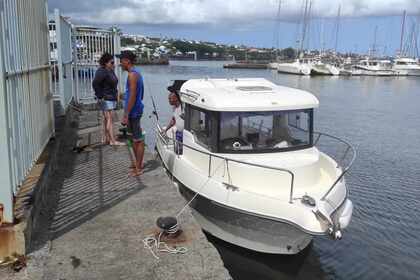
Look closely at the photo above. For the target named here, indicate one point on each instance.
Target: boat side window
(201, 123)
(265, 131)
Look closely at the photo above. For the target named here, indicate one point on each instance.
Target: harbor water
(380, 116)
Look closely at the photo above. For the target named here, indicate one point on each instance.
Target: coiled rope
(156, 246)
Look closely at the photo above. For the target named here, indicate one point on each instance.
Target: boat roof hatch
(247, 94)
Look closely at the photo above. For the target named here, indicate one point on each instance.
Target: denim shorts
(135, 128)
(107, 105)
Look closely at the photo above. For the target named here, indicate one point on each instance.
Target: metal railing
(26, 115)
(61, 60)
(90, 44)
(167, 141)
(344, 169)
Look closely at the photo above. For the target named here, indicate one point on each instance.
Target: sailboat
(301, 66)
(403, 64)
(372, 66)
(320, 67)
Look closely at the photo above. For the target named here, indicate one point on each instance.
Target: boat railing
(171, 140)
(345, 167)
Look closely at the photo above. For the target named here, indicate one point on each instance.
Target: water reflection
(245, 264)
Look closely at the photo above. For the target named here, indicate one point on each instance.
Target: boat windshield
(244, 132)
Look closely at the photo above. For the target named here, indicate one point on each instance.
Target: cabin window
(265, 131)
(203, 125)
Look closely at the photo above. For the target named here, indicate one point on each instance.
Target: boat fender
(346, 214)
(322, 213)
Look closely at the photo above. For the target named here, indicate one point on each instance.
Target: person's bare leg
(105, 137)
(109, 127)
(138, 147)
(140, 154)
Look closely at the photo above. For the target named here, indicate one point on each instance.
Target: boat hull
(246, 229)
(294, 68)
(364, 71)
(407, 72)
(325, 70)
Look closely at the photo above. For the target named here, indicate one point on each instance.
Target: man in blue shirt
(133, 108)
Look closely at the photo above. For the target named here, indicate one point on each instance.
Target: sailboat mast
(322, 36)
(276, 29)
(373, 50)
(305, 15)
(402, 33)
(277, 37)
(308, 26)
(337, 30)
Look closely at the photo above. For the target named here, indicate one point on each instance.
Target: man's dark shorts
(135, 128)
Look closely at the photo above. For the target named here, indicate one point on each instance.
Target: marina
(376, 113)
(227, 162)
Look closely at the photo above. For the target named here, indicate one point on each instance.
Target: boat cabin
(247, 116)
(406, 61)
(385, 64)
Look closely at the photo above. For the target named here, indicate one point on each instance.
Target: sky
(253, 22)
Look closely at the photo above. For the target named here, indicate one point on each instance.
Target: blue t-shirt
(138, 107)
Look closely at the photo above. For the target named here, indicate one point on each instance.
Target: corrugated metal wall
(26, 117)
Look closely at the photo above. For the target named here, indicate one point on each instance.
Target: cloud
(220, 12)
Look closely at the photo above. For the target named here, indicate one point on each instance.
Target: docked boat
(373, 67)
(321, 68)
(298, 67)
(251, 167)
(405, 66)
(273, 65)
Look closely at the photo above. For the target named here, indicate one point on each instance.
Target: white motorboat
(405, 66)
(321, 68)
(298, 67)
(251, 167)
(273, 65)
(350, 70)
(373, 67)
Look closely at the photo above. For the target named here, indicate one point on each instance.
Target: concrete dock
(94, 217)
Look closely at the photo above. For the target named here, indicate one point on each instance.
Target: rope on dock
(155, 245)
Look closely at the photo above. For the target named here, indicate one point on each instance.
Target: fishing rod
(154, 108)
(155, 111)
